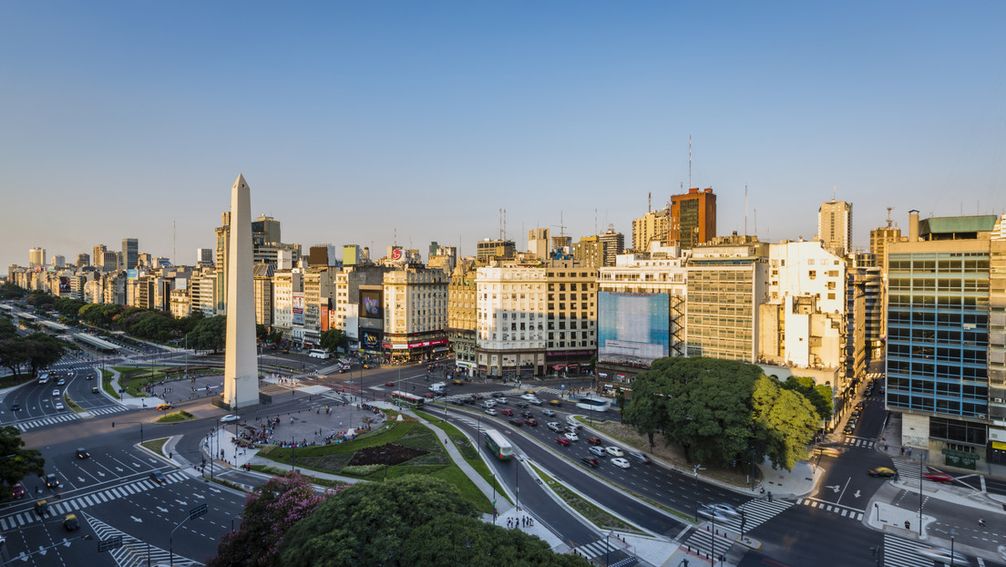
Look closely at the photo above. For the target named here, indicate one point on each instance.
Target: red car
(531, 421)
(389, 384)
(507, 412)
(562, 441)
(18, 491)
(938, 476)
(594, 440)
(429, 395)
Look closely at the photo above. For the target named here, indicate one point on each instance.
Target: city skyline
(435, 119)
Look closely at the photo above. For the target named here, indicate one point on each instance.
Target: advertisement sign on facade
(132, 274)
(298, 308)
(64, 285)
(633, 329)
(371, 304)
(371, 339)
(324, 318)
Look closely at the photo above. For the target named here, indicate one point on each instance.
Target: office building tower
(433, 249)
(351, 255)
(36, 257)
(58, 261)
(834, 226)
(538, 242)
(588, 251)
(489, 250)
(612, 244)
(512, 316)
(204, 256)
(265, 230)
(651, 227)
(83, 259)
(130, 254)
(222, 233)
(321, 255)
(571, 340)
(693, 217)
(415, 313)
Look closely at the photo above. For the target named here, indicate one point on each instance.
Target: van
(43, 378)
(319, 353)
(438, 388)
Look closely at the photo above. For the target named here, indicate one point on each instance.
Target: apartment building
(415, 313)
(262, 292)
(462, 316)
(571, 342)
(512, 318)
(286, 286)
(319, 297)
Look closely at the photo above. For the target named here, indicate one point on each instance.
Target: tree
(269, 512)
(16, 462)
(13, 355)
(42, 350)
(69, 308)
(333, 340)
(787, 419)
(11, 291)
(40, 299)
(820, 395)
(209, 334)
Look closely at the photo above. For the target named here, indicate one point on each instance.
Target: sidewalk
(129, 400)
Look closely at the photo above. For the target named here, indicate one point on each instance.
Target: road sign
(110, 543)
(198, 511)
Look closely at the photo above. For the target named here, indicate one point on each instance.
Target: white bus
(500, 446)
(319, 353)
(595, 403)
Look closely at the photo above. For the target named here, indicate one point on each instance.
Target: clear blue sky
(352, 119)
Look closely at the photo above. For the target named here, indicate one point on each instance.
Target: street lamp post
(951, 550)
(921, 457)
(607, 549)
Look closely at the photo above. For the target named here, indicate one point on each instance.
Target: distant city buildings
(834, 226)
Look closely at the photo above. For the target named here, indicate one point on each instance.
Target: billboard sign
(371, 339)
(298, 308)
(64, 285)
(633, 329)
(132, 273)
(324, 318)
(371, 304)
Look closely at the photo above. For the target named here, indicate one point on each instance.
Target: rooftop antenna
(890, 221)
(394, 241)
(745, 209)
(649, 202)
(756, 222)
(689, 161)
(834, 192)
(500, 213)
(174, 243)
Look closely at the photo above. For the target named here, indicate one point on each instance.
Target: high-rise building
(512, 315)
(571, 342)
(265, 230)
(319, 297)
(204, 256)
(223, 240)
(727, 281)
(834, 226)
(651, 227)
(488, 250)
(351, 255)
(58, 261)
(588, 251)
(693, 217)
(263, 293)
(462, 316)
(415, 313)
(321, 255)
(538, 242)
(130, 253)
(36, 257)
(612, 244)
(940, 343)
(83, 259)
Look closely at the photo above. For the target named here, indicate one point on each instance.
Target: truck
(438, 388)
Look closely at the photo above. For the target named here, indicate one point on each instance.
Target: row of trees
(411, 520)
(16, 462)
(725, 413)
(33, 352)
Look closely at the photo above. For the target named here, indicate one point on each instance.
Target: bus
(407, 398)
(501, 448)
(595, 403)
(319, 353)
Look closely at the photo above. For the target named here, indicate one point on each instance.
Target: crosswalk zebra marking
(701, 541)
(756, 513)
(80, 502)
(844, 511)
(134, 552)
(595, 549)
(901, 552)
(853, 441)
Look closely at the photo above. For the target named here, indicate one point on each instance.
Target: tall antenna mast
(174, 244)
(756, 222)
(745, 209)
(649, 202)
(690, 161)
(890, 221)
(595, 221)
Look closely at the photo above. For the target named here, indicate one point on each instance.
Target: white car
(59, 406)
(490, 411)
(534, 400)
(554, 426)
(723, 509)
(571, 436)
(528, 397)
(620, 463)
(55, 393)
(615, 452)
(597, 451)
(230, 418)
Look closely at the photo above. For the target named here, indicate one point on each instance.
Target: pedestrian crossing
(106, 410)
(908, 470)
(68, 416)
(844, 511)
(594, 549)
(133, 552)
(88, 500)
(756, 513)
(902, 552)
(853, 441)
(702, 542)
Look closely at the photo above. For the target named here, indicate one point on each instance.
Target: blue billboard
(633, 329)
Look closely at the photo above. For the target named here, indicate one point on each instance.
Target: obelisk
(240, 361)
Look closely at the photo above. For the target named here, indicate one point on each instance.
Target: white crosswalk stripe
(48, 420)
(80, 502)
(756, 513)
(594, 549)
(107, 410)
(701, 541)
(908, 470)
(134, 552)
(901, 552)
(854, 441)
(844, 511)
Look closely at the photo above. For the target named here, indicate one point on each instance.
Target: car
(55, 393)
(490, 411)
(526, 414)
(18, 491)
(158, 477)
(230, 418)
(429, 395)
(164, 407)
(939, 476)
(43, 378)
(828, 452)
(501, 401)
(457, 382)
(389, 384)
(599, 451)
(712, 514)
(723, 509)
(42, 507)
(94, 389)
(620, 463)
(488, 404)
(614, 451)
(591, 462)
(59, 406)
(15, 407)
(555, 402)
(571, 436)
(527, 396)
(943, 555)
(81, 453)
(88, 377)
(548, 413)
(554, 426)
(70, 523)
(61, 382)
(497, 394)
(641, 457)
(517, 422)
(531, 421)
(507, 412)
(594, 440)
(52, 481)
(883, 472)
(536, 401)
(523, 405)
(562, 441)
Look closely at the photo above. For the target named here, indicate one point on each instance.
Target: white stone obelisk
(240, 360)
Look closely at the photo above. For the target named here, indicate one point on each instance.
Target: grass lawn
(432, 459)
(72, 404)
(466, 449)
(175, 417)
(133, 379)
(106, 383)
(156, 445)
(315, 480)
(597, 516)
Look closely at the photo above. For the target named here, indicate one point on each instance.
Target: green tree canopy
(334, 339)
(69, 307)
(11, 291)
(42, 350)
(208, 334)
(819, 395)
(16, 462)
